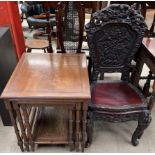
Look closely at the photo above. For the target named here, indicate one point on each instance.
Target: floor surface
(108, 137)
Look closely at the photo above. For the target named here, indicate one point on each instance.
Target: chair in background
(32, 10)
(70, 26)
(114, 36)
(42, 43)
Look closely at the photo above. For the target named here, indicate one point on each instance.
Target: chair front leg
(143, 122)
(89, 129)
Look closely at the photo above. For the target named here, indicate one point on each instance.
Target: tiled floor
(108, 137)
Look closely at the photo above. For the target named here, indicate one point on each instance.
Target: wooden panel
(67, 72)
(52, 126)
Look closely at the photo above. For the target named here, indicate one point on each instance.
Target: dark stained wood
(112, 51)
(49, 82)
(104, 52)
(142, 6)
(146, 55)
(152, 98)
(149, 44)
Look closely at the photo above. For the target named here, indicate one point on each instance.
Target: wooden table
(47, 98)
(145, 55)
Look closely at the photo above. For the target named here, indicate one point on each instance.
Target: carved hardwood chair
(114, 36)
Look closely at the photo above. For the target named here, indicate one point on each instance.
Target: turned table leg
(26, 118)
(84, 122)
(77, 137)
(20, 120)
(13, 120)
(71, 121)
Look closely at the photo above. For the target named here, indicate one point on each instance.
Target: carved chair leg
(147, 85)
(89, 68)
(89, 129)
(143, 123)
(102, 76)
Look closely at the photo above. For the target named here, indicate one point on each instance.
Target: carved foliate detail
(114, 36)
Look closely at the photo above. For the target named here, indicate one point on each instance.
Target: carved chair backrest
(114, 35)
(70, 26)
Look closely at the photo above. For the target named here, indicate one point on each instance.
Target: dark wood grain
(112, 51)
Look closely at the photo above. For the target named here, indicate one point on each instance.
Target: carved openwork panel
(114, 35)
(113, 44)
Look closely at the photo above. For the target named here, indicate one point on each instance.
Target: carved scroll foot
(143, 123)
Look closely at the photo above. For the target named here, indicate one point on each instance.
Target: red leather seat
(115, 94)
